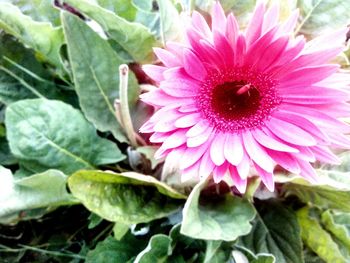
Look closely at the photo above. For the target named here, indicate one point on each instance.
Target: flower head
(231, 102)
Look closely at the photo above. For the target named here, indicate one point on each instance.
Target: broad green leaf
(123, 8)
(96, 75)
(276, 232)
(111, 250)
(6, 157)
(321, 16)
(323, 196)
(40, 36)
(143, 4)
(158, 250)
(119, 230)
(23, 77)
(128, 198)
(39, 191)
(171, 27)
(338, 224)
(51, 134)
(216, 252)
(249, 256)
(317, 239)
(220, 219)
(135, 38)
(39, 10)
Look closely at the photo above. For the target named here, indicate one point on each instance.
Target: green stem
(124, 104)
(307, 17)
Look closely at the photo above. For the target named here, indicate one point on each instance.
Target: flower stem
(124, 105)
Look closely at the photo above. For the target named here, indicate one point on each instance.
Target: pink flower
(232, 103)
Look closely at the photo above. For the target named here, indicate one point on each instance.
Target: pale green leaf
(324, 196)
(158, 250)
(317, 239)
(338, 224)
(321, 16)
(220, 219)
(171, 27)
(96, 75)
(119, 230)
(40, 191)
(40, 36)
(51, 134)
(127, 198)
(133, 37)
(112, 251)
(276, 232)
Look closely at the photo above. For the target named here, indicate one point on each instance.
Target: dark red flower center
(237, 100)
(234, 100)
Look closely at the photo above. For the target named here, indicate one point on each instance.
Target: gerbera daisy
(233, 103)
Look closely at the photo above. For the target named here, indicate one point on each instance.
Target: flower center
(237, 100)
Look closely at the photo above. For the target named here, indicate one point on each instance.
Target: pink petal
(154, 72)
(240, 50)
(290, 133)
(218, 18)
(197, 129)
(243, 167)
(239, 183)
(272, 53)
(233, 149)
(289, 25)
(307, 125)
(254, 29)
(206, 166)
(193, 65)
(211, 55)
(270, 142)
(271, 17)
(179, 88)
(323, 154)
(216, 149)
(188, 120)
(200, 138)
(200, 24)
(308, 172)
(340, 140)
(232, 30)
(159, 137)
(167, 58)
(287, 161)
(188, 108)
(223, 46)
(192, 155)
(220, 172)
(256, 152)
(190, 173)
(308, 75)
(266, 177)
(177, 139)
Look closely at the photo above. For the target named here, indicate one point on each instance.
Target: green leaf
(317, 239)
(39, 134)
(128, 198)
(40, 36)
(323, 196)
(158, 250)
(119, 230)
(96, 76)
(224, 219)
(338, 224)
(215, 252)
(123, 8)
(135, 38)
(111, 250)
(171, 28)
(248, 255)
(320, 16)
(6, 157)
(275, 231)
(39, 191)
